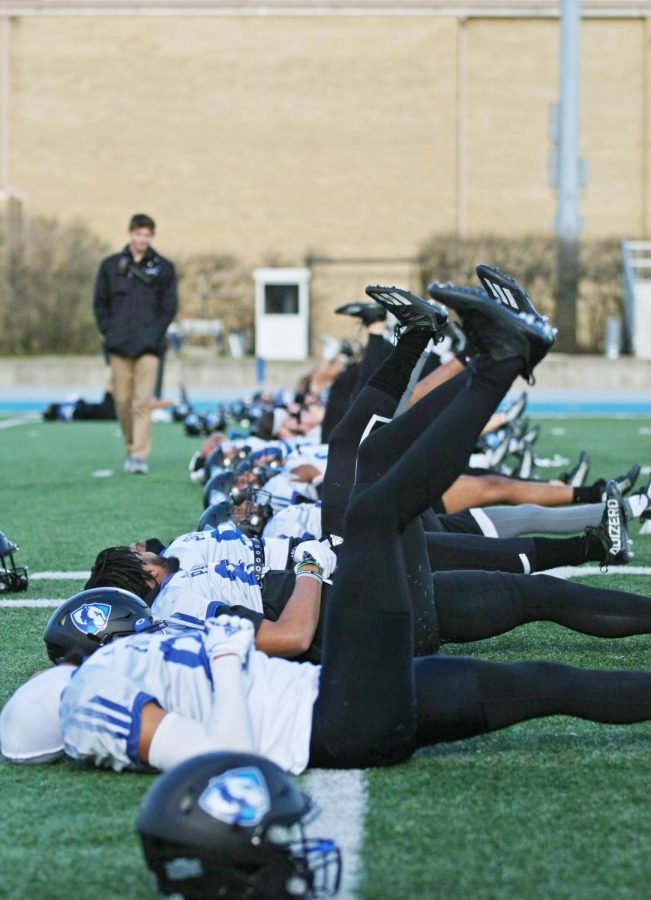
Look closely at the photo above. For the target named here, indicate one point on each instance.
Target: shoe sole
(409, 308)
(367, 312)
(467, 300)
(627, 481)
(527, 465)
(576, 477)
(516, 409)
(505, 289)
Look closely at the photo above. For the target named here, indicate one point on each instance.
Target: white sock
(639, 503)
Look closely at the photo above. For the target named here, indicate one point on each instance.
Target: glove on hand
(321, 552)
(229, 634)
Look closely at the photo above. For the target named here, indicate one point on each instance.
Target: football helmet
(218, 487)
(269, 457)
(215, 514)
(251, 510)
(194, 425)
(95, 617)
(216, 461)
(12, 577)
(232, 825)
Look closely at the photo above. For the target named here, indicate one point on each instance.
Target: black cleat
(494, 329)
(531, 436)
(640, 502)
(626, 481)
(644, 495)
(367, 312)
(515, 409)
(410, 310)
(496, 451)
(506, 290)
(527, 466)
(576, 477)
(612, 531)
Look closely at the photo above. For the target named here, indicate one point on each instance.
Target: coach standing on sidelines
(135, 302)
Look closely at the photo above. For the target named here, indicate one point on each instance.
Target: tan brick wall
(260, 137)
(271, 138)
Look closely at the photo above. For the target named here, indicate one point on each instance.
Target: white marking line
(577, 571)
(19, 420)
(341, 797)
(57, 576)
(29, 604)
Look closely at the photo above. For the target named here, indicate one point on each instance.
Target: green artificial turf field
(554, 808)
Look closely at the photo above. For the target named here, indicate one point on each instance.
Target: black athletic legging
(377, 404)
(376, 704)
(516, 554)
(350, 382)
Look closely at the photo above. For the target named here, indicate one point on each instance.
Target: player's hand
(321, 552)
(229, 635)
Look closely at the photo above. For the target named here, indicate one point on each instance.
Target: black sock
(393, 375)
(552, 552)
(589, 494)
(594, 551)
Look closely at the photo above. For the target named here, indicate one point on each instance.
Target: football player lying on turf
(156, 700)
(186, 599)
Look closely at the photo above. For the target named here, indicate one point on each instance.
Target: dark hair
(119, 567)
(169, 563)
(142, 220)
(153, 545)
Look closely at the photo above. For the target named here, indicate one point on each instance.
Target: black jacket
(135, 303)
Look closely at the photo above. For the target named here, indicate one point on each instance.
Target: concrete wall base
(203, 370)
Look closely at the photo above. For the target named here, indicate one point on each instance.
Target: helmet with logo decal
(95, 617)
(12, 577)
(232, 825)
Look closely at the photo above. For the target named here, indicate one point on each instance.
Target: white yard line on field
(25, 604)
(341, 797)
(578, 571)
(57, 576)
(19, 420)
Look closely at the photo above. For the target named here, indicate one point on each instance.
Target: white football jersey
(285, 491)
(191, 595)
(102, 705)
(299, 520)
(209, 547)
(224, 573)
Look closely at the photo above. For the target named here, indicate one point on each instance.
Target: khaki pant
(133, 387)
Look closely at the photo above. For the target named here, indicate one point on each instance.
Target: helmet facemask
(13, 578)
(251, 510)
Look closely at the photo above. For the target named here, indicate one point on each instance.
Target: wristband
(308, 565)
(310, 575)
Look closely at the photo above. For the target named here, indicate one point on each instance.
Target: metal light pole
(568, 176)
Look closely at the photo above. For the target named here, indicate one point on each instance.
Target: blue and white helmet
(95, 617)
(232, 825)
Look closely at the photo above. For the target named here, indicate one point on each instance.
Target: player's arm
(292, 633)
(168, 738)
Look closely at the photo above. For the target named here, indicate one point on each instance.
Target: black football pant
(376, 704)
